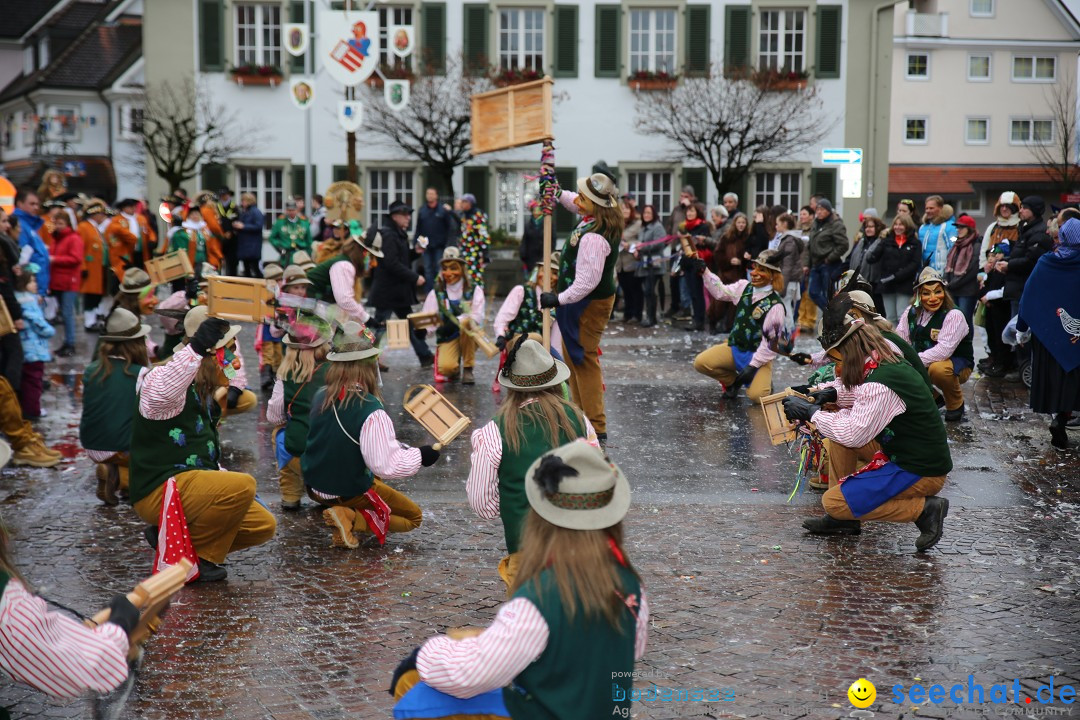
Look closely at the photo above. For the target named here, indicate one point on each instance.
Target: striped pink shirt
(954, 328)
(774, 319)
(492, 659)
(54, 653)
(590, 258)
(343, 284)
(163, 390)
(864, 412)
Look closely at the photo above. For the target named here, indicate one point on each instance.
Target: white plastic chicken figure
(1071, 324)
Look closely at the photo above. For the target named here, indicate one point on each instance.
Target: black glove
(208, 335)
(744, 377)
(500, 342)
(373, 324)
(801, 358)
(549, 300)
(403, 667)
(428, 455)
(801, 389)
(234, 397)
(798, 409)
(123, 614)
(694, 265)
(191, 288)
(824, 396)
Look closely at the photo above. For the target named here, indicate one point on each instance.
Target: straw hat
(353, 341)
(122, 325)
(272, 269)
(529, 367)
(452, 254)
(928, 276)
(837, 323)
(599, 188)
(864, 304)
(135, 281)
(294, 275)
(195, 317)
(575, 487)
(375, 248)
(767, 260)
(555, 259)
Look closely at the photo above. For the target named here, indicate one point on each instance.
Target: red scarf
(900, 240)
(691, 224)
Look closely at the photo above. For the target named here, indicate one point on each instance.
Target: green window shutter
(476, 38)
(608, 26)
(476, 182)
(823, 182)
(566, 41)
(340, 173)
(214, 176)
(211, 35)
(699, 178)
(298, 180)
(697, 41)
(736, 38)
(828, 41)
(433, 36)
(565, 221)
(296, 15)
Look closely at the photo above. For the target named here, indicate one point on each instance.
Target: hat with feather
(576, 487)
(838, 323)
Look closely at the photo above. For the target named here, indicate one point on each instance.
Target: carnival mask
(148, 301)
(451, 273)
(759, 276)
(228, 361)
(932, 296)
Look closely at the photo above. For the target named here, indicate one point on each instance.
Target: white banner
(349, 45)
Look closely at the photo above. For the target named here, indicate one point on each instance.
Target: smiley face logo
(862, 693)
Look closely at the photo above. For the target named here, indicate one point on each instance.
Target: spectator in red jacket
(66, 261)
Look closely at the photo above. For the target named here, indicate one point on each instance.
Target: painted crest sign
(296, 38)
(349, 47)
(401, 40)
(396, 93)
(350, 115)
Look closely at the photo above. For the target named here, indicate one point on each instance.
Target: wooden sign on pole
(512, 116)
(238, 298)
(169, 267)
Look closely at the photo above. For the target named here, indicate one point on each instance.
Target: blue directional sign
(841, 156)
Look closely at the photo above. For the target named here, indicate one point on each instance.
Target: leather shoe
(931, 522)
(955, 415)
(211, 572)
(828, 525)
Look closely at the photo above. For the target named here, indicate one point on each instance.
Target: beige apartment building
(973, 84)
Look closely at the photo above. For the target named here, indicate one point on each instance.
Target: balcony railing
(927, 24)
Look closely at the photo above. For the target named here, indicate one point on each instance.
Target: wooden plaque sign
(437, 414)
(397, 334)
(423, 320)
(511, 117)
(169, 267)
(240, 299)
(781, 430)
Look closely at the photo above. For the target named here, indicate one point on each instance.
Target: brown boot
(108, 477)
(45, 448)
(467, 377)
(341, 519)
(33, 454)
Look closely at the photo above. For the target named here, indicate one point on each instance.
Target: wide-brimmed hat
(556, 260)
(599, 188)
(837, 322)
(272, 270)
(398, 207)
(576, 487)
(302, 259)
(853, 280)
(195, 317)
(294, 275)
(452, 255)
(352, 341)
(122, 325)
(862, 301)
(374, 247)
(529, 368)
(94, 207)
(767, 260)
(929, 276)
(135, 281)
(307, 332)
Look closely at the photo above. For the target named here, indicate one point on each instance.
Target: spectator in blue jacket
(937, 233)
(249, 236)
(27, 207)
(434, 222)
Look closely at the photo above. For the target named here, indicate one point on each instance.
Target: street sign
(851, 181)
(841, 156)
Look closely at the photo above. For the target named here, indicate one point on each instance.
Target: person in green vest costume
(302, 373)
(138, 296)
(886, 410)
(290, 233)
(108, 409)
(521, 314)
(459, 305)
(352, 447)
(194, 237)
(586, 289)
(335, 279)
(51, 651)
(532, 420)
(745, 358)
(940, 333)
(565, 644)
(175, 435)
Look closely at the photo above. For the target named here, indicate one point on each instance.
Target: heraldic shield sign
(350, 115)
(396, 93)
(349, 45)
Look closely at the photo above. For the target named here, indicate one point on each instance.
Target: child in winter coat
(35, 341)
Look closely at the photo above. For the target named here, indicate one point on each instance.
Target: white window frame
(643, 43)
(393, 15)
(653, 186)
(266, 27)
(1034, 63)
(975, 14)
(520, 57)
(989, 67)
(126, 112)
(962, 205)
(967, 135)
(514, 192)
(267, 184)
(907, 66)
(773, 192)
(10, 123)
(926, 129)
(1030, 140)
(56, 130)
(400, 184)
(784, 58)
(44, 54)
(29, 56)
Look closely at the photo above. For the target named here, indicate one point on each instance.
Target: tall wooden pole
(547, 280)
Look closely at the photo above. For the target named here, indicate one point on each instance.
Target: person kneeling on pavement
(175, 434)
(460, 306)
(885, 410)
(940, 334)
(352, 445)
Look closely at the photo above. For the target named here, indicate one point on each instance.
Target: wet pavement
(743, 601)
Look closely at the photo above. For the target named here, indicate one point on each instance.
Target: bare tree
(1059, 156)
(730, 125)
(434, 126)
(183, 128)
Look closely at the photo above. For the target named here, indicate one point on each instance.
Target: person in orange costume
(131, 239)
(95, 284)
